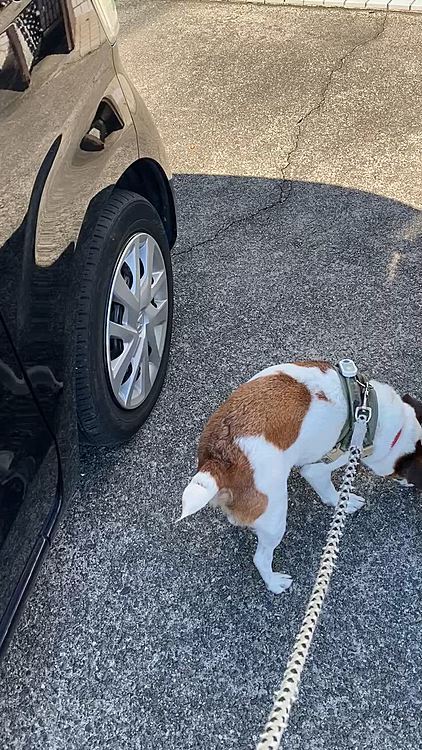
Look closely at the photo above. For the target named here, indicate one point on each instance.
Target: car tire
(128, 245)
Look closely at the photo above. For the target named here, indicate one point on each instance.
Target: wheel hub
(134, 345)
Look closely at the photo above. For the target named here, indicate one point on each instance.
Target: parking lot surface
(295, 135)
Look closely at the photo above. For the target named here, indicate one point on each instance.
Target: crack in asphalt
(323, 96)
(238, 220)
(285, 185)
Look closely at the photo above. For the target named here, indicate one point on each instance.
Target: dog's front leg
(319, 477)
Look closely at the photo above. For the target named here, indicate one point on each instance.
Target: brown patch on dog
(273, 406)
(321, 396)
(238, 496)
(323, 366)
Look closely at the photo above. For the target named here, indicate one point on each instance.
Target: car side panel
(47, 184)
(50, 189)
(29, 478)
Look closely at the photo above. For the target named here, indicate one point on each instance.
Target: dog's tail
(202, 488)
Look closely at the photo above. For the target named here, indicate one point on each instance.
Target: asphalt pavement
(295, 135)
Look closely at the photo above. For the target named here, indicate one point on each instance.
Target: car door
(30, 494)
(60, 77)
(31, 336)
(56, 74)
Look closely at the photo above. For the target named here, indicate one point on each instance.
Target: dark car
(86, 294)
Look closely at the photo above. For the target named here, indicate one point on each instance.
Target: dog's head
(408, 468)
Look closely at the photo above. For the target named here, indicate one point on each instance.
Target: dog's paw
(278, 583)
(354, 503)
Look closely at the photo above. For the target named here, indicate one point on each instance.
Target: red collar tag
(396, 439)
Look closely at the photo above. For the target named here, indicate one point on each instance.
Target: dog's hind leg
(270, 483)
(270, 528)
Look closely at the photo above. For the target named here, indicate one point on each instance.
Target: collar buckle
(363, 413)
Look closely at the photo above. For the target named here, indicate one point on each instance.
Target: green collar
(354, 389)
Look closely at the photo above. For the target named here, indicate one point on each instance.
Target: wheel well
(147, 178)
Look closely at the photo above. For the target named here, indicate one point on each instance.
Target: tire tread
(90, 423)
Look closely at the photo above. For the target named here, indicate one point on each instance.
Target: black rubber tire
(101, 420)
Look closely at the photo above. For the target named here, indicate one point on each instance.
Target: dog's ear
(415, 404)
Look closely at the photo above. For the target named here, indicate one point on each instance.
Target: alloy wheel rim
(136, 322)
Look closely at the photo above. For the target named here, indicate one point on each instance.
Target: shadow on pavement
(156, 635)
(266, 272)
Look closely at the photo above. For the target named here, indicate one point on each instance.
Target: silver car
(87, 221)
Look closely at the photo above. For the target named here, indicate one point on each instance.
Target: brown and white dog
(292, 415)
